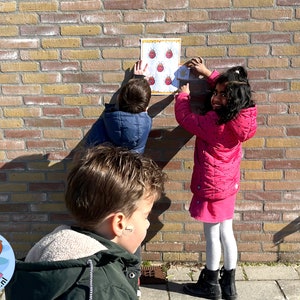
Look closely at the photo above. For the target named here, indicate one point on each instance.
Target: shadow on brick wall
(291, 228)
(32, 187)
(156, 225)
(32, 199)
(279, 238)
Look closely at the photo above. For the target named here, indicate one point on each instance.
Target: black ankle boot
(227, 283)
(206, 287)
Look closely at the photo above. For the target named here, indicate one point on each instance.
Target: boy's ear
(118, 223)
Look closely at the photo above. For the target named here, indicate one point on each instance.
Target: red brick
(273, 86)
(47, 30)
(270, 38)
(21, 90)
(11, 145)
(249, 247)
(23, 134)
(102, 17)
(102, 42)
(99, 89)
(45, 187)
(246, 226)
(264, 153)
(30, 218)
(43, 123)
(251, 216)
(39, 100)
(80, 5)
(284, 74)
(60, 18)
(8, 55)
(212, 27)
(229, 14)
(43, 144)
(19, 43)
(123, 4)
(293, 131)
(80, 77)
(61, 218)
(284, 97)
(257, 258)
(59, 66)
(79, 123)
(263, 196)
(166, 4)
(144, 16)
(283, 164)
(162, 247)
(14, 227)
(287, 2)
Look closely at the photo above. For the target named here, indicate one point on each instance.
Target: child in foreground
(216, 173)
(110, 194)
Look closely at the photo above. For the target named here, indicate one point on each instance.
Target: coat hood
(121, 128)
(244, 125)
(126, 129)
(62, 244)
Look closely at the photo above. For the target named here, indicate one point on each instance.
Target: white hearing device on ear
(129, 228)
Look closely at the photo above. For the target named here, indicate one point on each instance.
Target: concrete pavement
(261, 282)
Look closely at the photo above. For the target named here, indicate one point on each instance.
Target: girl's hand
(198, 67)
(185, 89)
(140, 68)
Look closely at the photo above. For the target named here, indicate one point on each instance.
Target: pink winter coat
(218, 149)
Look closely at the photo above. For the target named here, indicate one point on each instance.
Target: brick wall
(61, 60)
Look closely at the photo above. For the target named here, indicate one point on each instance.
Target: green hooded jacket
(108, 274)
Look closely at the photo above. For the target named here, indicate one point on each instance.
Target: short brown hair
(110, 179)
(135, 96)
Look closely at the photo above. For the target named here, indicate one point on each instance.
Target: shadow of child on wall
(32, 193)
(279, 237)
(289, 229)
(32, 187)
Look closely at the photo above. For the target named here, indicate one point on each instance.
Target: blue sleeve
(97, 135)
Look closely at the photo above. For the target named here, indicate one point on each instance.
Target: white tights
(218, 236)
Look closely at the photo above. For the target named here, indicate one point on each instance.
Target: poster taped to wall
(163, 58)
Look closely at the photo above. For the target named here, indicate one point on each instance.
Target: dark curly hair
(238, 93)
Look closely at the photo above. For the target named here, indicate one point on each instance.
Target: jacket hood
(126, 129)
(244, 125)
(63, 244)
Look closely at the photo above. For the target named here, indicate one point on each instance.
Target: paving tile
(271, 272)
(154, 291)
(290, 288)
(176, 292)
(259, 290)
(247, 290)
(278, 282)
(180, 273)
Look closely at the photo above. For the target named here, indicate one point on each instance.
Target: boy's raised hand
(140, 68)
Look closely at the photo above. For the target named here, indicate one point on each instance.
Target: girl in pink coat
(215, 182)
